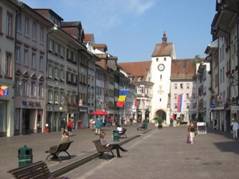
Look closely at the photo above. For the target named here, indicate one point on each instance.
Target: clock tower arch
(160, 73)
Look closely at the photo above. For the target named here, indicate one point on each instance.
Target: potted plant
(159, 121)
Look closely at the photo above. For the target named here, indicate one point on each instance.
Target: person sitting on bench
(121, 130)
(112, 146)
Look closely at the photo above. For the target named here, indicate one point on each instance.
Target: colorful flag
(179, 103)
(122, 98)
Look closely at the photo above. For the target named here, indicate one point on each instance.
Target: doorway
(26, 129)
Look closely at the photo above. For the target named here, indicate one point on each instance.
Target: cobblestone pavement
(41, 142)
(164, 154)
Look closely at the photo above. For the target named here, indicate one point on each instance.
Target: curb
(74, 164)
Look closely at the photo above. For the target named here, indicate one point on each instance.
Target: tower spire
(164, 38)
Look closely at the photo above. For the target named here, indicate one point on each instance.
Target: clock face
(161, 67)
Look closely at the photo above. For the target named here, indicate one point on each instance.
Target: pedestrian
(65, 137)
(235, 127)
(191, 133)
(69, 125)
(92, 123)
(112, 146)
(98, 125)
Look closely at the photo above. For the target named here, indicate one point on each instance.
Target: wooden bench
(54, 151)
(38, 170)
(102, 149)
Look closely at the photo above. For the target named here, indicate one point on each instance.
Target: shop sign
(4, 90)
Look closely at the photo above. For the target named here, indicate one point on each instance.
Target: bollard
(116, 136)
(24, 156)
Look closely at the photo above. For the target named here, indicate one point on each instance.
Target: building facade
(160, 72)
(183, 91)
(30, 71)
(223, 55)
(7, 66)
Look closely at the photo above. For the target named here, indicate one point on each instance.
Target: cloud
(105, 14)
(140, 6)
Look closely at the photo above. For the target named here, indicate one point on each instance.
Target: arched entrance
(161, 113)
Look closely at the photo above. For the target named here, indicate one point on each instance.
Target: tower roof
(164, 48)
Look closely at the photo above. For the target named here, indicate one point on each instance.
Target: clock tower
(160, 74)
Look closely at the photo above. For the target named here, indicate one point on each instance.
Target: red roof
(136, 69)
(183, 69)
(89, 37)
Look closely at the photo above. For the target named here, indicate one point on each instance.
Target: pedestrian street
(164, 153)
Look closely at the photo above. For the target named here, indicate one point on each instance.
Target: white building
(183, 91)
(160, 73)
(204, 91)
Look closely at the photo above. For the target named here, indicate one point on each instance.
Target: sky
(131, 28)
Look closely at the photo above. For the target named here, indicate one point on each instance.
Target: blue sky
(131, 28)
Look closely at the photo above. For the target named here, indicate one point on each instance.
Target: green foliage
(158, 119)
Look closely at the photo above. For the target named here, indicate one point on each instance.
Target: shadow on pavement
(225, 134)
(229, 146)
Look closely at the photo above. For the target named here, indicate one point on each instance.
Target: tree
(159, 121)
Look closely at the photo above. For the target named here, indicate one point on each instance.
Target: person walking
(69, 125)
(112, 146)
(98, 125)
(191, 133)
(235, 127)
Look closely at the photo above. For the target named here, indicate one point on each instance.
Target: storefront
(56, 118)
(83, 121)
(6, 113)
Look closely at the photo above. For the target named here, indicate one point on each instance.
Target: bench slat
(38, 170)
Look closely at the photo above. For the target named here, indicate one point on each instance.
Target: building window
(33, 89)
(50, 72)
(188, 86)
(9, 24)
(41, 63)
(62, 74)
(24, 85)
(34, 31)
(50, 96)
(56, 73)
(41, 34)
(18, 87)
(41, 91)
(19, 22)
(157, 59)
(18, 54)
(0, 19)
(56, 97)
(34, 61)
(175, 86)
(51, 45)
(181, 85)
(62, 98)
(9, 65)
(27, 26)
(175, 96)
(26, 56)
(62, 52)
